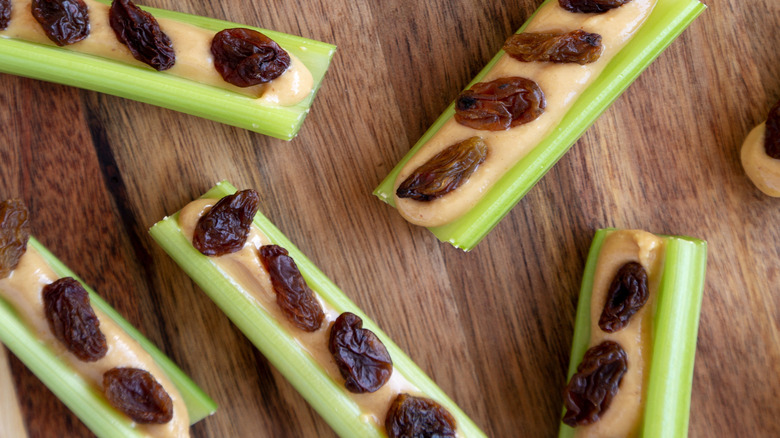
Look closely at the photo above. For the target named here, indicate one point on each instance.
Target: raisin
(5, 13)
(627, 294)
(72, 319)
(445, 171)
(418, 417)
(361, 357)
(293, 295)
(772, 138)
(501, 104)
(138, 394)
(576, 46)
(64, 21)
(591, 389)
(224, 228)
(141, 33)
(245, 57)
(14, 233)
(598, 6)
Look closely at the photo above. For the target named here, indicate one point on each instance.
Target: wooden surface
(492, 327)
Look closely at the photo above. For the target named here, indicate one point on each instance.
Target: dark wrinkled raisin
(627, 294)
(587, 6)
(445, 171)
(501, 104)
(224, 228)
(591, 389)
(417, 417)
(576, 46)
(361, 357)
(14, 233)
(293, 295)
(72, 319)
(138, 394)
(5, 13)
(64, 21)
(772, 137)
(141, 33)
(245, 57)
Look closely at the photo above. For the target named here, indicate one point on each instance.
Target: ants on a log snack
(79, 347)
(527, 109)
(632, 358)
(339, 361)
(270, 88)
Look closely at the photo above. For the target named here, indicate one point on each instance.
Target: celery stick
(86, 401)
(675, 326)
(199, 405)
(328, 397)
(55, 64)
(667, 21)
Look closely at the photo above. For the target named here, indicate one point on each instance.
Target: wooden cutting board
(493, 327)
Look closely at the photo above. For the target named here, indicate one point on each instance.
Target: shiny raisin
(500, 104)
(592, 388)
(588, 6)
(576, 46)
(772, 137)
(141, 33)
(64, 21)
(626, 295)
(138, 394)
(245, 57)
(361, 357)
(225, 227)
(293, 295)
(418, 417)
(14, 233)
(72, 319)
(5, 13)
(445, 171)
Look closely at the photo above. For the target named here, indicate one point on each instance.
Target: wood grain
(493, 327)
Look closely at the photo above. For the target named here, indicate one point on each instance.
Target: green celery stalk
(86, 401)
(667, 21)
(675, 326)
(143, 84)
(327, 396)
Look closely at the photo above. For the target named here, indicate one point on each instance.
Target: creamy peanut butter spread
(192, 45)
(562, 84)
(247, 272)
(762, 169)
(23, 290)
(624, 415)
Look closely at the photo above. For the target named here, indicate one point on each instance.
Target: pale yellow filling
(762, 169)
(246, 271)
(562, 84)
(23, 290)
(624, 416)
(192, 45)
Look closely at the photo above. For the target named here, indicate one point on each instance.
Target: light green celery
(199, 405)
(667, 21)
(675, 326)
(64, 66)
(86, 401)
(326, 395)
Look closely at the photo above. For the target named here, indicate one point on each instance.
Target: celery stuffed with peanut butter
(361, 383)
(252, 78)
(761, 154)
(106, 372)
(634, 343)
(525, 109)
